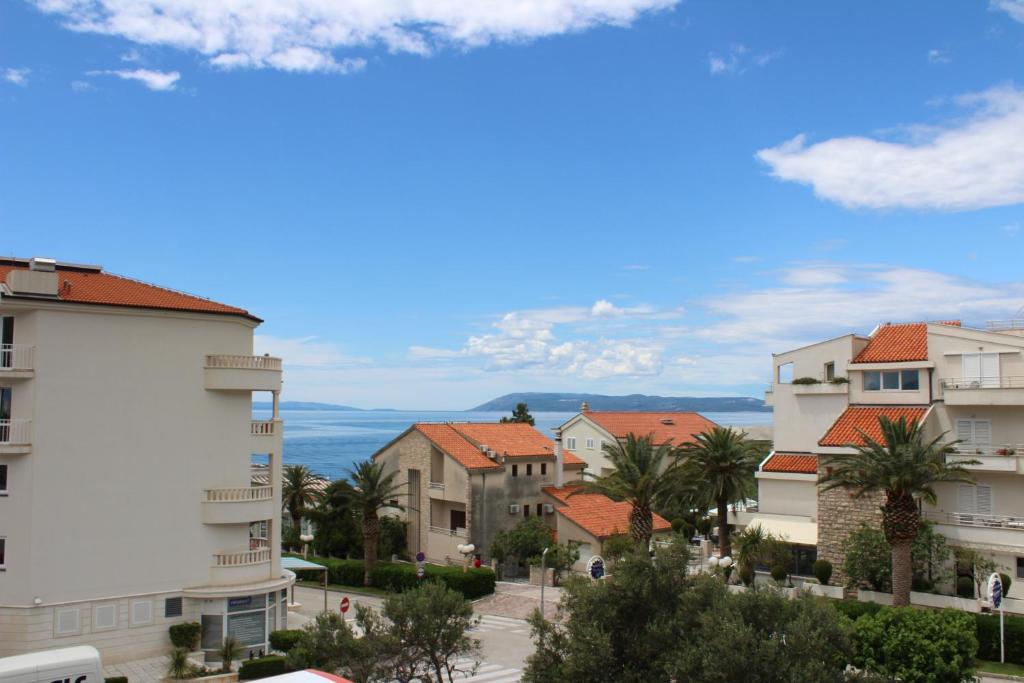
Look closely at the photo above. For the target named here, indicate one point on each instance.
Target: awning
(799, 530)
(298, 564)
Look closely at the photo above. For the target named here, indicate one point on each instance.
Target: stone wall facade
(839, 514)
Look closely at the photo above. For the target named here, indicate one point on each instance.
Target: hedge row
(271, 665)
(115, 679)
(285, 639)
(987, 630)
(398, 577)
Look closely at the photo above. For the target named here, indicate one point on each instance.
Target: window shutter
(972, 366)
(990, 369)
(965, 499)
(984, 500)
(965, 430)
(983, 432)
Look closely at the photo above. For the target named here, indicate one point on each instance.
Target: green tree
(338, 531)
(372, 490)
(718, 470)
(930, 556)
(643, 475)
(299, 493)
(867, 559)
(520, 414)
(970, 562)
(561, 557)
(905, 468)
(328, 644)
(750, 549)
(523, 542)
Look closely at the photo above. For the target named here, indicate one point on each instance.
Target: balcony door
(974, 500)
(5, 414)
(974, 435)
(981, 369)
(6, 341)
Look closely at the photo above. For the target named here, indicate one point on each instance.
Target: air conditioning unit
(513, 509)
(492, 455)
(549, 509)
(483, 448)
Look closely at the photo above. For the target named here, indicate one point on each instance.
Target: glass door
(6, 341)
(5, 414)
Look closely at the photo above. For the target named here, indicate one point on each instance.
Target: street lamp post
(543, 577)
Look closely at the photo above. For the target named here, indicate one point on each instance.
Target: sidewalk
(518, 601)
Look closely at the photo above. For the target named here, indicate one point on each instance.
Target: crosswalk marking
(485, 673)
(490, 622)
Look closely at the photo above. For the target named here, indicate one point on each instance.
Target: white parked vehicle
(68, 665)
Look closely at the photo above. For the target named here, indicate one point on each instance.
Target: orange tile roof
(87, 285)
(462, 441)
(897, 343)
(596, 514)
(792, 463)
(865, 418)
(678, 427)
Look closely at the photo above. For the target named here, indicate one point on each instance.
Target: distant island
(570, 403)
(300, 405)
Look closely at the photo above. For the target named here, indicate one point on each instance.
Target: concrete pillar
(274, 524)
(277, 404)
(559, 459)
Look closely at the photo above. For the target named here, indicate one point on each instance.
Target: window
(784, 373)
(543, 469)
(540, 509)
(974, 434)
(570, 443)
(529, 470)
(981, 369)
(1020, 567)
(105, 616)
(526, 509)
(67, 622)
(457, 519)
(141, 612)
(603, 442)
(172, 607)
(974, 500)
(3, 553)
(3, 480)
(515, 470)
(6, 341)
(891, 380)
(590, 444)
(830, 371)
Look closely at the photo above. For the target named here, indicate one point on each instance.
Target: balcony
(443, 544)
(983, 391)
(1005, 458)
(17, 361)
(975, 529)
(238, 505)
(435, 489)
(821, 388)
(226, 372)
(242, 566)
(15, 436)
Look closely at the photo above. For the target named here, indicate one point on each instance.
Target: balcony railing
(458, 533)
(983, 383)
(966, 450)
(15, 432)
(241, 558)
(973, 519)
(263, 427)
(16, 357)
(239, 495)
(239, 362)
(1000, 325)
(436, 485)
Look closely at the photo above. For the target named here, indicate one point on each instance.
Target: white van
(67, 665)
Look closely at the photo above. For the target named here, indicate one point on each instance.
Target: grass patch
(358, 590)
(1007, 669)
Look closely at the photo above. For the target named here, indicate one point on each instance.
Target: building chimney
(585, 408)
(559, 459)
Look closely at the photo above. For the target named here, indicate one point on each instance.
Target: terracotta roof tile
(792, 463)
(462, 440)
(897, 343)
(865, 418)
(596, 514)
(83, 286)
(454, 444)
(679, 427)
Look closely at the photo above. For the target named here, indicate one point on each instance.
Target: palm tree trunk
(724, 544)
(297, 526)
(902, 573)
(371, 532)
(641, 525)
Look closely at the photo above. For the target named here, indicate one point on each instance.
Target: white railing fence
(239, 362)
(436, 485)
(17, 432)
(1013, 382)
(263, 427)
(16, 357)
(241, 558)
(974, 519)
(239, 495)
(966, 450)
(459, 533)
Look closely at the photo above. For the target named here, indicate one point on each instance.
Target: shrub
(178, 666)
(746, 575)
(398, 577)
(822, 570)
(185, 635)
(115, 679)
(988, 637)
(263, 667)
(806, 380)
(868, 559)
(965, 587)
(1007, 582)
(228, 652)
(839, 380)
(779, 574)
(854, 609)
(915, 645)
(284, 640)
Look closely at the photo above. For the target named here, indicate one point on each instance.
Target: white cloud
(17, 76)
(82, 86)
(738, 59)
(301, 35)
(306, 352)
(937, 56)
(1015, 8)
(154, 80)
(974, 163)
(1011, 229)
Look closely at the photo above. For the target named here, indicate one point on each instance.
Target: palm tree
(299, 491)
(639, 477)
(718, 469)
(750, 546)
(371, 490)
(905, 468)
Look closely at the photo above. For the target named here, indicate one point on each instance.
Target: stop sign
(345, 604)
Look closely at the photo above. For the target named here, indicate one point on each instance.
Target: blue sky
(432, 207)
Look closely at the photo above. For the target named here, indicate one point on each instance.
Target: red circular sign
(344, 605)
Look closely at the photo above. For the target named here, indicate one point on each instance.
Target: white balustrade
(16, 432)
(263, 427)
(241, 558)
(1014, 382)
(239, 495)
(16, 357)
(974, 519)
(239, 362)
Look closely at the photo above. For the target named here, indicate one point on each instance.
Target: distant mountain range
(570, 403)
(300, 405)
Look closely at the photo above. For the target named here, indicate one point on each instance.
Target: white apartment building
(126, 441)
(965, 383)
